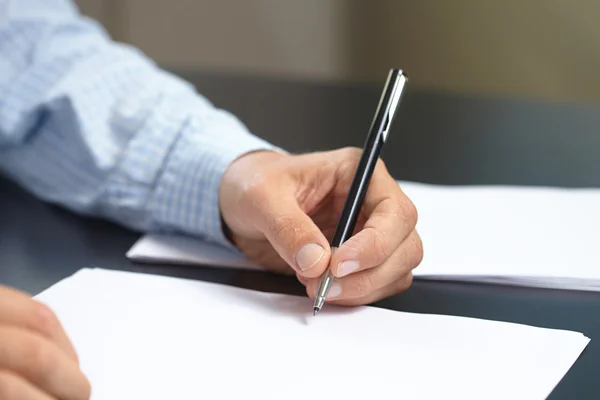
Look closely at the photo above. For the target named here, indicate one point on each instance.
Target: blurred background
(535, 49)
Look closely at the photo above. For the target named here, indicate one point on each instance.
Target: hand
(37, 360)
(282, 211)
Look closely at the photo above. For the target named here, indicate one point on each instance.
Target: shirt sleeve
(96, 127)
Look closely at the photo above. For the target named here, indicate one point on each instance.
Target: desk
(437, 138)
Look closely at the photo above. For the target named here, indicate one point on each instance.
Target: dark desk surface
(437, 138)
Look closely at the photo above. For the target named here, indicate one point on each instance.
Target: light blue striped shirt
(96, 127)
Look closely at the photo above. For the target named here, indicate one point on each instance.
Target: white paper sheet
(153, 338)
(526, 236)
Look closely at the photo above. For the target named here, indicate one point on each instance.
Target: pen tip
(315, 310)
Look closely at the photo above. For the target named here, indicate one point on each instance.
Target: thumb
(295, 237)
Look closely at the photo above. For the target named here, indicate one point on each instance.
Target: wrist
(241, 174)
(185, 199)
(251, 159)
(227, 233)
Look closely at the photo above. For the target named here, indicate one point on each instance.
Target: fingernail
(309, 255)
(347, 267)
(334, 291)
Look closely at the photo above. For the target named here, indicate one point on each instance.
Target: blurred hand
(283, 211)
(37, 360)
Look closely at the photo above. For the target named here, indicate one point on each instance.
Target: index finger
(391, 217)
(19, 310)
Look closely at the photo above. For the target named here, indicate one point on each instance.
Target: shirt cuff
(187, 195)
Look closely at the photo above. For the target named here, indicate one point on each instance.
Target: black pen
(384, 116)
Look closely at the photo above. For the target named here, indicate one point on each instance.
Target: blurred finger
(391, 217)
(20, 310)
(14, 387)
(42, 363)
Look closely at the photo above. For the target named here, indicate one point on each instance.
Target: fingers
(392, 289)
(42, 363)
(391, 217)
(19, 310)
(294, 236)
(14, 387)
(391, 277)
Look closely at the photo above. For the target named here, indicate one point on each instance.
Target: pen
(384, 116)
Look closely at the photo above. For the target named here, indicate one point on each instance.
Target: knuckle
(44, 319)
(410, 213)
(379, 246)
(404, 283)
(381, 165)
(41, 360)
(9, 388)
(349, 158)
(352, 152)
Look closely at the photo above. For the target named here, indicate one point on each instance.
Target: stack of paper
(153, 338)
(541, 237)
(183, 250)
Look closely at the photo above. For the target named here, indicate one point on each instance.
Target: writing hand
(282, 211)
